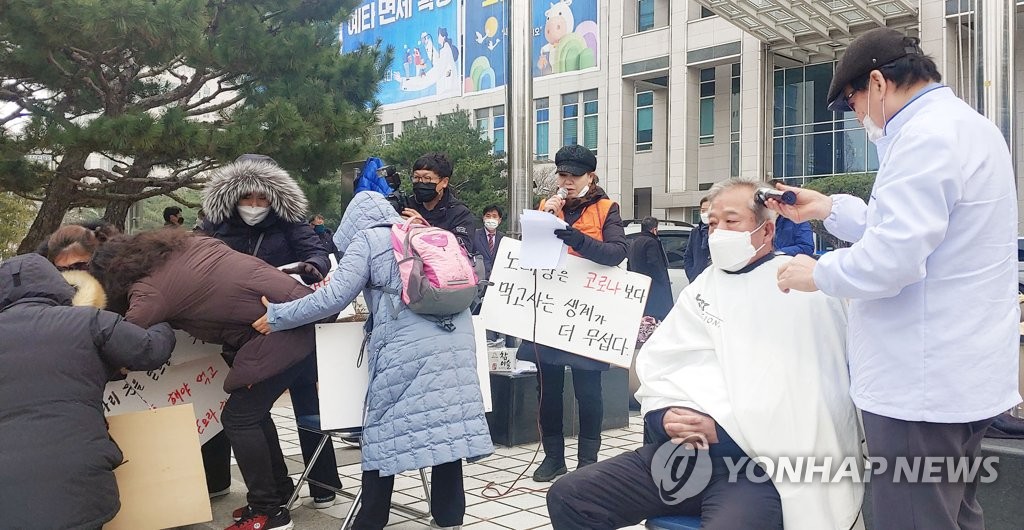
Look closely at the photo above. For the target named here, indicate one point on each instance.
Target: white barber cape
(770, 368)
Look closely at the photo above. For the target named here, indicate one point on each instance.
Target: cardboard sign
(161, 482)
(199, 382)
(586, 308)
(343, 384)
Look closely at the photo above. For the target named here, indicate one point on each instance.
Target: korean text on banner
(425, 37)
(343, 384)
(585, 308)
(199, 382)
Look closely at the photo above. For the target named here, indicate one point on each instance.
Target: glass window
(644, 121)
(705, 12)
(543, 115)
(542, 140)
(482, 117)
(570, 119)
(645, 15)
(707, 105)
(793, 161)
(499, 129)
(734, 159)
(707, 120)
(569, 134)
(779, 88)
(590, 130)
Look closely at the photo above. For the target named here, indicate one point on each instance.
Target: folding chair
(311, 423)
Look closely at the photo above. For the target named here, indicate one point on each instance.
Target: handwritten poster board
(199, 382)
(586, 308)
(161, 483)
(343, 385)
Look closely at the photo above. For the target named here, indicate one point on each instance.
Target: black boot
(588, 448)
(554, 459)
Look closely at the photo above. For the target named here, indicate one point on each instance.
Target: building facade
(687, 93)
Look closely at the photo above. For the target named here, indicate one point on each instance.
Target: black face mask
(424, 191)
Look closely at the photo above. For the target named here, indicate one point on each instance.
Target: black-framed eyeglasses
(422, 178)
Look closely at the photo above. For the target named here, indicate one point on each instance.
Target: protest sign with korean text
(199, 382)
(585, 308)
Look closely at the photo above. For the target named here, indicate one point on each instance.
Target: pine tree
(169, 90)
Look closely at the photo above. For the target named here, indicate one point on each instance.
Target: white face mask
(252, 215)
(705, 217)
(491, 224)
(732, 250)
(874, 132)
(583, 191)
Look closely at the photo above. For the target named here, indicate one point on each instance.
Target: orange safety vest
(592, 220)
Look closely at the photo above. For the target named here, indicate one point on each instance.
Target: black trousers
(306, 402)
(447, 497)
(253, 437)
(621, 492)
(587, 386)
(217, 462)
(937, 505)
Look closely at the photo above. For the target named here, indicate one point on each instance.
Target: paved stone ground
(522, 509)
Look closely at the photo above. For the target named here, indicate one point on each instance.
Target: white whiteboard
(343, 385)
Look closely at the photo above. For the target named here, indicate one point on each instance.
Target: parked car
(674, 235)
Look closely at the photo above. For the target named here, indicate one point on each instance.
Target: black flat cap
(575, 160)
(870, 51)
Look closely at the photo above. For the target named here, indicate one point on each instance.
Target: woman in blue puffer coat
(424, 406)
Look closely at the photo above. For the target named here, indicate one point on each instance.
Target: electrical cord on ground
(493, 486)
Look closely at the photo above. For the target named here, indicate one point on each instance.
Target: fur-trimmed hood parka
(56, 459)
(283, 237)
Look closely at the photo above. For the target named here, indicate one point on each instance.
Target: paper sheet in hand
(343, 385)
(161, 482)
(541, 249)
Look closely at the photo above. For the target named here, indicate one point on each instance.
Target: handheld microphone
(785, 197)
(561, 194)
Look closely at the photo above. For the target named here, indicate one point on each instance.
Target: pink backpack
(438, 276)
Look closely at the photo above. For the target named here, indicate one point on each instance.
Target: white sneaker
(433, 524)
(321, 503)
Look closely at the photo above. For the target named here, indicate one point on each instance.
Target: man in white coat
(744, 371)
(931, 276)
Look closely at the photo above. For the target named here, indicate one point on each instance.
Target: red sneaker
(252, 520)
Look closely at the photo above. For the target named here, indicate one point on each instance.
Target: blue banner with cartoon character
(566, 36)
(424, 35)
(486, 37)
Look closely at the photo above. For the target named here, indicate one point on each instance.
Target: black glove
(306, 271)
(572, 237)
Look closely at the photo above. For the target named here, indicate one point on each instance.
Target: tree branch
(184, 91)
(214, 108)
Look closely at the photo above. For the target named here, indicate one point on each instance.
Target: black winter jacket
(287, 237)
(647, 257)
(56, 458)
(283, 242)
(451, 214)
